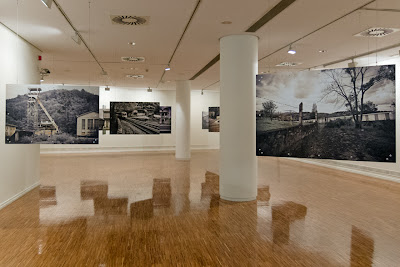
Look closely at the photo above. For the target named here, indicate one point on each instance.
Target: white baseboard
(392, 176)
(71, 150)
(17, 196)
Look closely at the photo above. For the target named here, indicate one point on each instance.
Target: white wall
(19, 164)
(200, 139)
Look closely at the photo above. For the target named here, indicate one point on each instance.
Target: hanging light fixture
(291, 50)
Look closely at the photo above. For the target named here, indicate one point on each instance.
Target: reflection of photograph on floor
(165, 120)
(213, 119)
(52, 114)
(204, 120)
(346, 114)
(135, 118)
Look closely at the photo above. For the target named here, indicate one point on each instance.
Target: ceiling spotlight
(107, 89)
(149, 90)
(291, 50)
(202, 93)
(47, 3)
(168, 68)
(322, 51)
(41, 78)
(76, 38)
(352, 64)
(131, 43)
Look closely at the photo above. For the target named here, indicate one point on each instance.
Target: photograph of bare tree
(52, 114)
(344, 114)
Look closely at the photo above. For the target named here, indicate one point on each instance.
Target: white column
(182, 151)
(238, 162)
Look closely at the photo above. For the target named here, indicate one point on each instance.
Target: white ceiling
(72, 64)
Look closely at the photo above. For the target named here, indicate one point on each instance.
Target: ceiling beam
(276, 10)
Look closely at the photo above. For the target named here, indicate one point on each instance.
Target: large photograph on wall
(165, 119)
(213, 119)
(52, 114)
(343, 114)
(135, 118)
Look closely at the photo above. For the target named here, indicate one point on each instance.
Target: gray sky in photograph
(13, 90)
(289, 89)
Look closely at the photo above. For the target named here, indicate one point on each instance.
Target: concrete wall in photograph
(201, 139)
(19, 164)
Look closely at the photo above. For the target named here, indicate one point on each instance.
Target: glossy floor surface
(151, 210)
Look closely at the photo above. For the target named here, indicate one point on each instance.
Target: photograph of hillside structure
(213, 119)
(165, 120)
(344, 114)
(52, 114)
(135, 118)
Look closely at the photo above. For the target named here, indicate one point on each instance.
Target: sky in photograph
(14, 90)
(289, 89)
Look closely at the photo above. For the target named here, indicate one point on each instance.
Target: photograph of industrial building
(165, 119)
(52, 114)
(135, 118)
(213, 119)
(346, 114)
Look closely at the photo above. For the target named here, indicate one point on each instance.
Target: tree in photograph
(369, 107)
(350, 85)
(269, 109)
(313, 111)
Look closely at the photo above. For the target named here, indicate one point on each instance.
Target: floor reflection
(362, 248)
(172, 215)
(282, 216)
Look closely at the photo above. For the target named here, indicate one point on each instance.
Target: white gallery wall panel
(200, 139)
(19, 164)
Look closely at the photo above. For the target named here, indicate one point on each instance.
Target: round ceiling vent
(377, 32)
(129, 20)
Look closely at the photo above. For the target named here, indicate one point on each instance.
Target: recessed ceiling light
(131, 43)
(47, 3)
(226, 22)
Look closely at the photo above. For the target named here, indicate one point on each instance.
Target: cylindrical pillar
(182, 149)
(238, 162)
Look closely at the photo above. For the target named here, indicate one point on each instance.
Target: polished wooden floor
(150, 210)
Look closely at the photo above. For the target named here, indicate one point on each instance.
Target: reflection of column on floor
(181, 187)
(47, 196)
(282, 216)
(362, 248)
(263, 195)
(103, 205)
(142, 210)
(211, 185)
(162, 193)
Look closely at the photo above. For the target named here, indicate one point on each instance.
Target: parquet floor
(148, 209)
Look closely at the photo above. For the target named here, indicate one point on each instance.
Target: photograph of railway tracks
(213, 119)
(52, 114)
(343, 114)
(165, 119)
(135, 118)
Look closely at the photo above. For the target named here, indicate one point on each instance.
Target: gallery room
(199, 133)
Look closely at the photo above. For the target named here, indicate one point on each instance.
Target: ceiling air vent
(135, 76)
(133, 59)
(377, 32)
(288, 64)
(129, 20)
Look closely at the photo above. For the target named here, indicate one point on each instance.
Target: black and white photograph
(204, 120)
(52, 114)
(165, 120)
(135, 118)
(343, 114)
(213, 119)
